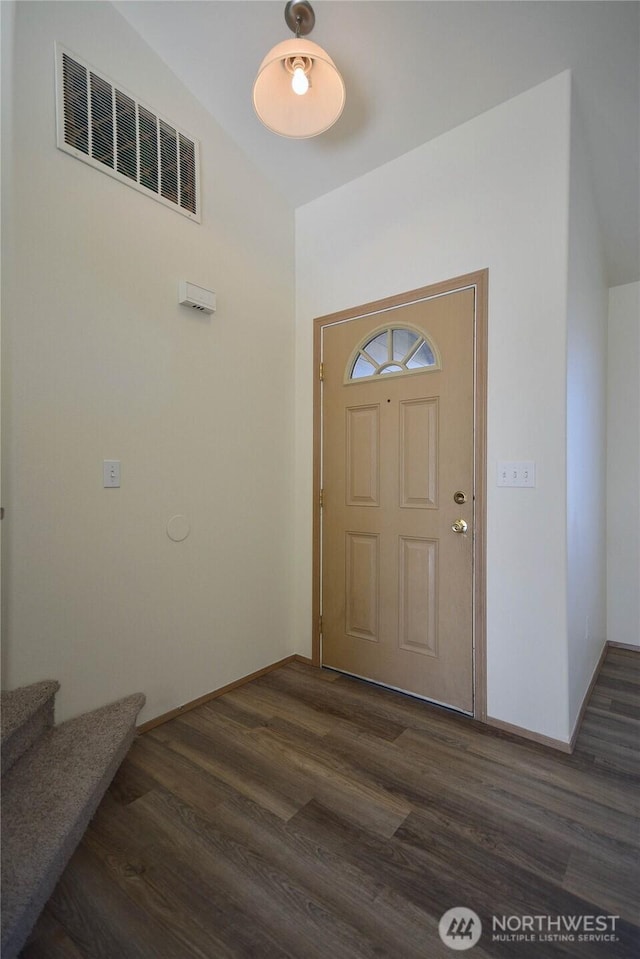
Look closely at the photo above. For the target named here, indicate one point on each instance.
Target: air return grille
(108, 128)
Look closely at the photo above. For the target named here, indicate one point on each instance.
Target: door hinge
(320, 625)
(321, 372)
(321, 499)
(1, 512)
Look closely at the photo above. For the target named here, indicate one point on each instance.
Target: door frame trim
(480, 282)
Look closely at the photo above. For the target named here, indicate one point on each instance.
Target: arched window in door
(393, 350)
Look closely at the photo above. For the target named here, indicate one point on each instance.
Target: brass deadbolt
(459, 497)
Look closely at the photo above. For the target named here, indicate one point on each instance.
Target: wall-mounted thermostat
(196, 297)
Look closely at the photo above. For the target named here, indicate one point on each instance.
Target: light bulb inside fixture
(299, 82)
(299, 69)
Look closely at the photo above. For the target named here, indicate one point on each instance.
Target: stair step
(48, 799)
(25, 714)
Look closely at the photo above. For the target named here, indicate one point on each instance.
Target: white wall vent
(102, 124)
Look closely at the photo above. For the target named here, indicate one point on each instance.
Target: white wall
(623, 466)
(491, 193)
(7, 34)
(587, 300)
(101, 362)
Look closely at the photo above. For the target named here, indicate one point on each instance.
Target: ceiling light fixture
(298, 92)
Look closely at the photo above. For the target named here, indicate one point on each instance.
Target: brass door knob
(460, 526)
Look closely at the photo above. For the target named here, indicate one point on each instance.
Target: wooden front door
(398, 497)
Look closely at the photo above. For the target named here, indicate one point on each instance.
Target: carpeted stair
(53, 778)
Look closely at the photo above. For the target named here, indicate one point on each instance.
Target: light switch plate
(111, 474)
(520, 473)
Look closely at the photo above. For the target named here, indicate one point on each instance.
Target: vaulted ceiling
(413, 70)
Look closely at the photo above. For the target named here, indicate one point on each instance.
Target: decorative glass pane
(378, 348)
(362, 367)
(422, 357)
(403, 340)
(395, 350)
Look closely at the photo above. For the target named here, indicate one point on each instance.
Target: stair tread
(17, 706)
(49, 797)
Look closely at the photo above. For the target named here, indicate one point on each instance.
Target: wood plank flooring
(307, 815)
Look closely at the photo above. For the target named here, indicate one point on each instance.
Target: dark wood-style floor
(308, 815)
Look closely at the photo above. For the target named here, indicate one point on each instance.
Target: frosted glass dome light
(298, 91)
